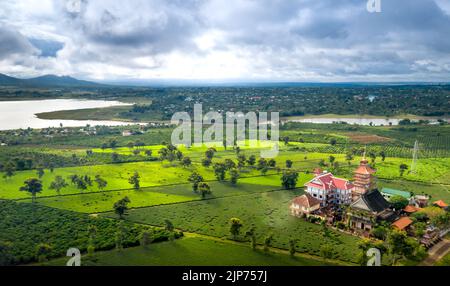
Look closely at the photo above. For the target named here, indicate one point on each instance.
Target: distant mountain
(8, 80)
(47, 81)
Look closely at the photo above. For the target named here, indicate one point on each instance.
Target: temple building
(367, 210)
(363, 179)
(329, 190)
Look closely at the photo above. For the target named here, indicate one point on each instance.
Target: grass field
(267, 212)
(103, 201)
(196, 251)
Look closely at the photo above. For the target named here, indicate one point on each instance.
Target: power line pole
(414, 161)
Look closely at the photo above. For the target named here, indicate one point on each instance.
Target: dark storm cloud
(271, 38)
(13, 43)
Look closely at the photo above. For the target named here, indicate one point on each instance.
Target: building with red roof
(402, 223)
(305, 204)
(330, 190)
(440, 204)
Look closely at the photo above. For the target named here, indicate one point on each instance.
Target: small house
(403, 223)
(441, 204)
(304, 205)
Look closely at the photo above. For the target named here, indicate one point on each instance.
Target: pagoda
(363, 179)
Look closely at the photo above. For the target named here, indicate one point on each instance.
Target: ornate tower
(363, 179)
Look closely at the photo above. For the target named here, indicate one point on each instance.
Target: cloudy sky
(258, 40)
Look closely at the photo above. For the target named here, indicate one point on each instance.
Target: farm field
(103, 201)
(197, 251)
(266, 212)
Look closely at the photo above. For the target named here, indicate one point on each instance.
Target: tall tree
(204, 189)
(135, 181)
(32, 186)
(121, 206)
(195, 178)
(101, 183)
(58, 184)
(235, 227)
(289, 180)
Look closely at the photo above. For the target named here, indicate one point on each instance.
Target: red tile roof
(402, 223)
(411, 209)
(306, 201)
(328, 182)
(440, 203)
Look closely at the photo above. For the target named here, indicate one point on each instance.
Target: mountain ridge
(46, 81)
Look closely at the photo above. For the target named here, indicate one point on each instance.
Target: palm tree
(33, 186)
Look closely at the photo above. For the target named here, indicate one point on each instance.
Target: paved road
(437, 252)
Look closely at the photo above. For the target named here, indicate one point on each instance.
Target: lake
(21, 114)
(358, 121)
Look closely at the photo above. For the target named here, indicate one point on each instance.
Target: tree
(234, 176)
(92, 232)
(229, 164)
(115, 157)
(104, 146)
(289, 164)
(43, 250)
(121, 206)
(204, 189)
(241, 160)
(383, 156)
(272, 163)
(235, 227)
(403, 168)
(58, 184)
(349, 158)
(398, 246)
(289, 180)
(286, 140)
(40, 172)
(136, 152)
(32, 186)
(168, 225)
(373, 157)
(252, 234)
(251, 160)
(331, 159)
(146, 238)
(206, 162)
(135, 180)
(262, 165)
(101, 183)
(113, 143)
(333, 142)
(8, 169)
(130, 145)
(186, 162)
(292, 247)
(195, 178)
(210, 153)
(220, 171)
(120, 235)
(398, 202)
(148, 152)
(268, 242)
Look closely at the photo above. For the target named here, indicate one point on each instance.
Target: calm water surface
(21, 114)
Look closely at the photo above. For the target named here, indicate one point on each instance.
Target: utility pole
(414, 161)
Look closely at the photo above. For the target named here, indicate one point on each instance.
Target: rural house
(304, 205)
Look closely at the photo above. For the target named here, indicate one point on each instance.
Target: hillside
(46, 81)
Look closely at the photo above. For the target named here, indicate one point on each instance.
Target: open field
(103, 201)
(196, 251)
(268, 213)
